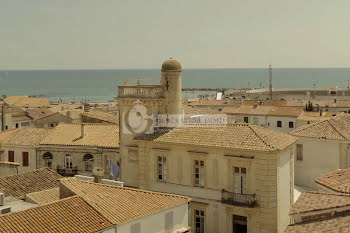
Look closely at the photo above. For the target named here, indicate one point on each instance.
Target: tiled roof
(313, 201)
(335, 128)
(120, 204)
(37, 113)
(44, 196)
(65, 216)
(102, 116)
(26, 101)
(20, 118)
(264, 110)
(96, 135)
(338, 180)
(236, 136)
(24, 136)
(204, 110)
(339, 224)
(20, 184)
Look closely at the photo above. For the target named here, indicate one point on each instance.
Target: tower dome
(171, 65)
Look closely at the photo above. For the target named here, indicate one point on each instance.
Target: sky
(130, 34)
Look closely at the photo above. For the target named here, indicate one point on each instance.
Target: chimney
(82, 130)
(2, 199)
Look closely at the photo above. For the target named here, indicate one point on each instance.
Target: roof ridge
(268, 145)
(328, 194)
(32, 171)
(128, 188)
(330, 121)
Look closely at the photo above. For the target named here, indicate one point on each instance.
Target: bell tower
(171, 86)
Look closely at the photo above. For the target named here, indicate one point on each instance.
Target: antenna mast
(270, 75)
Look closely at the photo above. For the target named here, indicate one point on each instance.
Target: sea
(101, 85)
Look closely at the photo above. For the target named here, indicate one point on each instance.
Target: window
(68, 161)
(6, 127)
(279, 124)
(199, 221)
(25, 159)
(308, 122)
(239, 224)
(198, 173)
(161, 168)
(246, 119)
(300, 152)
(11, 156)
(239, 180)
(16, 125)
(291, 124)
(89, 160)
(135, 228)
(169, 221)
(47, 157)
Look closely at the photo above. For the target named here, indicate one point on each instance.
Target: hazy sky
(80, 34)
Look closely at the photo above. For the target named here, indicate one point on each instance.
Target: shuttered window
(300, 152)
(25, 159)
(11, 155)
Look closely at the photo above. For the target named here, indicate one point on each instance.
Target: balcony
(67, 171)
(140, 91)
(238, 199)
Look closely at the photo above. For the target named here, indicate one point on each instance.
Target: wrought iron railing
(140, 91)
(238, 199)
(67, 171)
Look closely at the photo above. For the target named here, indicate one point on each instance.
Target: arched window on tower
(68, 161)
(89, 160)
(47, 157)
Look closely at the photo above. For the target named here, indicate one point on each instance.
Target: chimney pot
(82, 130)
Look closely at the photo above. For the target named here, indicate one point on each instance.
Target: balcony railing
(140, 91)
(67, 171)
(238, 199)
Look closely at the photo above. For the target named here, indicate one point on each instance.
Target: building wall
(7, 169)
(319, 158)
(261, 181)
(155, 223)
(285, 188)
(18, 156)
(265, 121)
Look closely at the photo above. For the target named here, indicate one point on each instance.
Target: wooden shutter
(25, 159)
(11, 155)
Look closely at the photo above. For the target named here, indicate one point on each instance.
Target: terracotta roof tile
(37, 113)
(313, 201)
(96, 135)
(339, 224)
(44, 196)
(335, 128)
(338, 180)
(120, 204)
(20, 184)
(236, 136)
(24, 136)
(264, 110)
(65, 216)
(26, 101)
(102, 116)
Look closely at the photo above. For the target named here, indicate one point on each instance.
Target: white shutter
(244, 183)
(236, 183)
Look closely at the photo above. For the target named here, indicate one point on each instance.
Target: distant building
(78, 148)
(27, 101)
(20, 146)
(281, 118)
(99, 117)
(322, 147)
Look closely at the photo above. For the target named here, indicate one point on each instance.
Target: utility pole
(270, 75)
